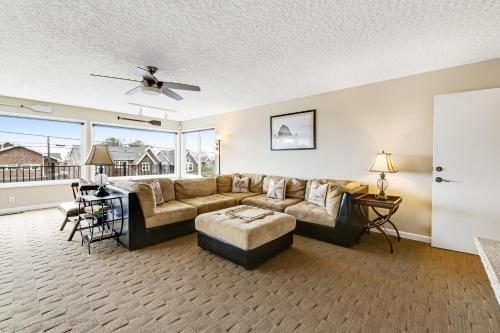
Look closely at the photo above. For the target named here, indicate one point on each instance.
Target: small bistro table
(391, 204)
(100, 218)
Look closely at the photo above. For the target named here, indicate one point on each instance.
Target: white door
(466, 203)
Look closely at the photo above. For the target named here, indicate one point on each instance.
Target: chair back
(84, 189)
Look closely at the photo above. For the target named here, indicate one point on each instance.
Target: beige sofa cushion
(146, 199)
(166, 184)
(210, 203)
(256, 181)
(295, 188)
(274, 204)
(170, 212)
(240, 196)
(245, 235)
(348, 184)
(192, 188)
(309, 212)
(224, 183)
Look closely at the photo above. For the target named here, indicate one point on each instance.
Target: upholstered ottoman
(245, 235)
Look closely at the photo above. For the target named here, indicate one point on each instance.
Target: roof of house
(166, 156)
(55, 156)
(203, 156)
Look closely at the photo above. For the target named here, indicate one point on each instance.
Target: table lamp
(383, 163)
(100, 156)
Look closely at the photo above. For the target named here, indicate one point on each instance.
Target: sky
(63, 134)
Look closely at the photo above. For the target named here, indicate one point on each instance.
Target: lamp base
(382, 185)
(101, 192)
(381, 196)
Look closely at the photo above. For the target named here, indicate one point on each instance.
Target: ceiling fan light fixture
(150, 90)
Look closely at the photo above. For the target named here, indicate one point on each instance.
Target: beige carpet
(49, 284)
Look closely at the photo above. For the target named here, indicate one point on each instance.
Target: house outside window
(137, 151)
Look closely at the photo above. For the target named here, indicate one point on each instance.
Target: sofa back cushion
(295, 188)
(223, 183)
(256, 181)
(192, 188)
(334, 194)
(166, 185)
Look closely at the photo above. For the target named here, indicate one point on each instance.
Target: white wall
(52, 194)
(352, 125)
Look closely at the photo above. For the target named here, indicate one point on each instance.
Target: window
(199, 152)
(189, 166)
(33, 149)
(137, 152)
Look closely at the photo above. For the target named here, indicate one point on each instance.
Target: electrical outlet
(12, 199)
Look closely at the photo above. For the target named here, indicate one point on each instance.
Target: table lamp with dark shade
(100, 156)
(383, 163)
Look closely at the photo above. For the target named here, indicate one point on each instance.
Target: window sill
(38, 183)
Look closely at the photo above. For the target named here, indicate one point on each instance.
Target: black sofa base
(322, 233)
(248, 259)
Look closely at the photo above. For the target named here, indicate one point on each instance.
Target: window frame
(183, 160)
(83, 140)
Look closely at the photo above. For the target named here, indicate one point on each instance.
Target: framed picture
(294, 131)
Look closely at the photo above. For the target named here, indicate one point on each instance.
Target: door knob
(439, 169)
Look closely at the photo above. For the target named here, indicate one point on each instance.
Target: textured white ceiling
(242, 53)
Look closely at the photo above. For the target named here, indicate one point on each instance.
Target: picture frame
(293, 131)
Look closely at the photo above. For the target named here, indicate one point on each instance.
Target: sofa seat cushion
(69, 208)
(312, 213)
(170, 212)
(245, 235)
(240, 195)
(262, 201)
(211, 203)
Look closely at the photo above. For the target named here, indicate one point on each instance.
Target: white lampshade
(99, 155)
(383, 163)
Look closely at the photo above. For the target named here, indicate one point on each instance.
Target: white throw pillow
(240, 184)
(317, 193)
(276, 189)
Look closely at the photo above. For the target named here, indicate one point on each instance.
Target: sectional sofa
(147, 223)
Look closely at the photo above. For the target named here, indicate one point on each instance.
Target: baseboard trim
(26, 208)
(407, 235)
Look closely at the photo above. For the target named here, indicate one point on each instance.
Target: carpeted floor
(50, 284)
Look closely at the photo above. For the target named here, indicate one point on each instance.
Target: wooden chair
(70, 208)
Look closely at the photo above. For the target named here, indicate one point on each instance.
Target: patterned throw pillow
(240, 184)
(155, 186)
(317, 193)
(276, 189)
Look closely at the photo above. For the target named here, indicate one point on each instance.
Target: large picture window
(137, 152)
(199, 153)
(33, 149)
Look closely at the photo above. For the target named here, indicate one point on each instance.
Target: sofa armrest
(349, 219)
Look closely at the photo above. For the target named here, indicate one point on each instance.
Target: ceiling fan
(151, 85)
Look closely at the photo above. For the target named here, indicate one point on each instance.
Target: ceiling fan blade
(181, 86)
(171, 93)
(133, 90)
(114, 77)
